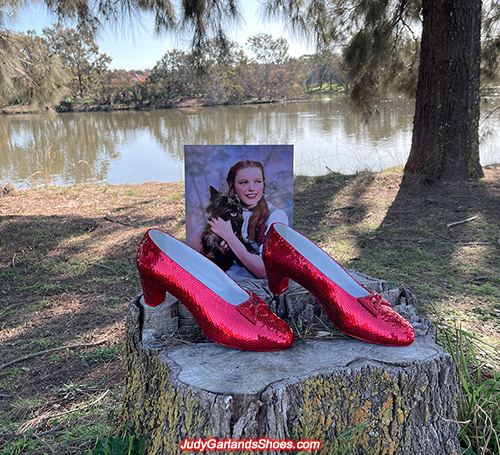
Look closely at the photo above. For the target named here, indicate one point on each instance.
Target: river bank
(77, 148)
(171, 104)
(67, 275)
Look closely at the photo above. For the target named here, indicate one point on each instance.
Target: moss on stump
(316, 389)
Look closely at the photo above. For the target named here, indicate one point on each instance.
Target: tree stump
(181, 386)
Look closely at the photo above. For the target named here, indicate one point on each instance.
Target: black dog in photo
(225, 205)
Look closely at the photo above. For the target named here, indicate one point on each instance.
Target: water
(136, 147)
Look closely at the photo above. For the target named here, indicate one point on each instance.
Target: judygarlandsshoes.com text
(207, 445)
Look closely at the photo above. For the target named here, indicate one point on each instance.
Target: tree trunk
(445, 142)
(178, 388)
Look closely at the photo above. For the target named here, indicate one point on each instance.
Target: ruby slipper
(351, 307)
(226, 313)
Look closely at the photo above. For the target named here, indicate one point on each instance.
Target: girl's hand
(252, 262)
(222, 228)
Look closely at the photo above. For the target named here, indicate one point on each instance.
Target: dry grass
(67, 275)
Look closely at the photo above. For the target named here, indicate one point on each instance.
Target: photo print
(246, 187)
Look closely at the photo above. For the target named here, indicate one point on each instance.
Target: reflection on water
(135, 147)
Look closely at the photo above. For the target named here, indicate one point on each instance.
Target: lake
(137, 147)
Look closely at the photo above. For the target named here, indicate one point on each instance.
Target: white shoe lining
(321, 260)
(202, 268)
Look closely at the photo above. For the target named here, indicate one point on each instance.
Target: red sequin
(250, 325)
(369, 318)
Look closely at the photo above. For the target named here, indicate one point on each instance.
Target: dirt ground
(67, 270)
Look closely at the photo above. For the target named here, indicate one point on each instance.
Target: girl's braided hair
(257, 224)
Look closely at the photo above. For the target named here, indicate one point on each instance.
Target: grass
(300, 328)
(71, 390)
(336, 88)
(344, 444)
(478, 405)
(101, 354)
(44, 165)
(74, 432)
(127, 444)
(24, 444)
(406, 240)
(67, 275)
(25, 407)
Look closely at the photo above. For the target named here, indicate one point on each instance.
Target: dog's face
(224, 204)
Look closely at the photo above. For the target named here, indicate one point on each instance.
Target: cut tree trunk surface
(179, 388)
(171, 319)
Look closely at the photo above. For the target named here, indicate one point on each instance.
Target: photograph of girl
(247, 189)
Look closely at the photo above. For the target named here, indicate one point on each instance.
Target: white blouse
(276, 215)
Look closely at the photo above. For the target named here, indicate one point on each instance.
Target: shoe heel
(153, 290)
(277, 283)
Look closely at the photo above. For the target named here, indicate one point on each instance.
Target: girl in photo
(247, 178)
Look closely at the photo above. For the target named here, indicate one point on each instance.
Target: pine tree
(29, 73)
(379, 36)
(386, 43)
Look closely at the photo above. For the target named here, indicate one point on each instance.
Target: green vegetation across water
(214, 77)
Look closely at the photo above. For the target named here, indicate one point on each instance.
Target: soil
(67, 265)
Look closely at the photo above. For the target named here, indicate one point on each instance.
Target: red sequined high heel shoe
(226, 313)
(352, 308)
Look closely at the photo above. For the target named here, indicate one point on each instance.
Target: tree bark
(445, 144)
(317, 389)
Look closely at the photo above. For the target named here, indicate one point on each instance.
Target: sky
(137, 48)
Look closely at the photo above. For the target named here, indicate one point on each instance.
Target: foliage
(219, 70)
(385, 43)
(490, 41)
(268, 50)
(224, 75)
(95, 13)
(173, 75)
(29, 73)
(273, 75)
(121, 94)
(344, 443)
(79, 55)
(379, 40)
(126, 445)
(101, 354)
(382, 51)
(325, 68)
(478, 409)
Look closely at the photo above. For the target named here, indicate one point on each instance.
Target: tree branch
(60, 348)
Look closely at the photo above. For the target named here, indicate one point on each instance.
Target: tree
(373, 31)
(272, 74)
(79, 55)
(219, 69)
(445, 136)
(21, 68)
(445, 142)
(269, 50)
(29, 72)
(173, 75)
(213, 72)
(324, 68)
